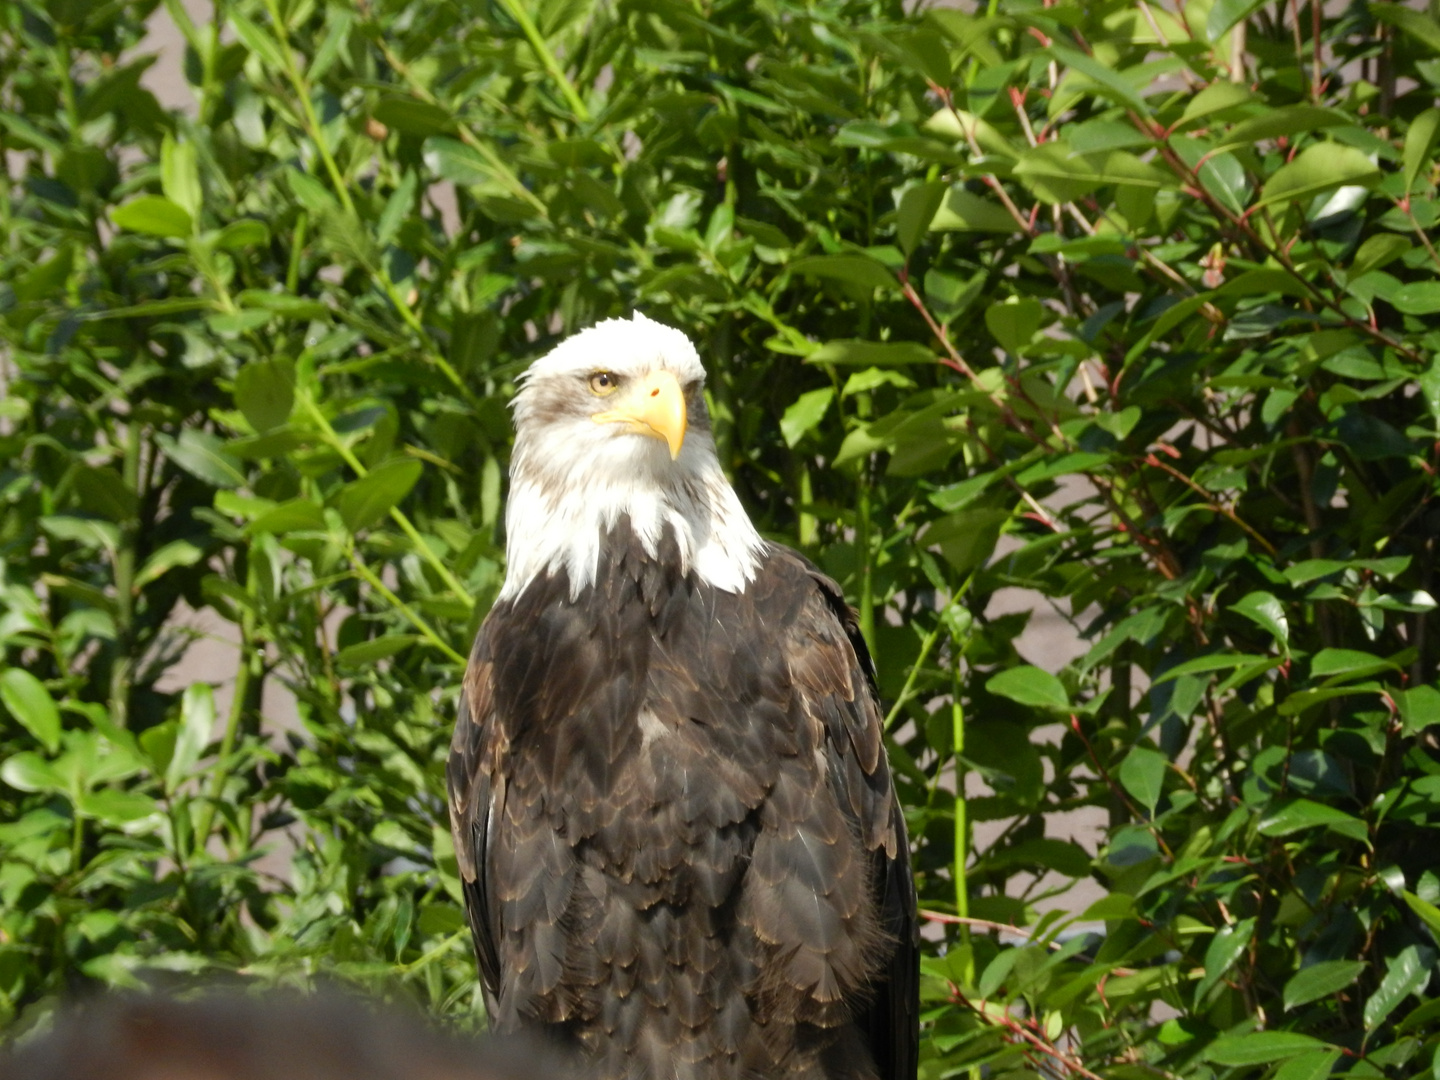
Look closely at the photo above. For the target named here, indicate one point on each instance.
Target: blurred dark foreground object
(282, 1036)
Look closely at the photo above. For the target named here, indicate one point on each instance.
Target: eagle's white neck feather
(571, 481)
(558, 523)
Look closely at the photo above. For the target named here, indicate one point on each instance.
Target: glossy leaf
(363, 502)
(915, 212)
(1143, 774)
(29, 702)
(1030, 686)
(1321, 981)
(1420, 144)
(1406, 973)
(807, 411)
(154, 215)
(201, 454)
(1260, 1047)
(1319, 168)
(853, 269)
(1263, 609)
(1224, 950)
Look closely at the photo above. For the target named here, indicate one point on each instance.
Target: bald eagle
(678, 840)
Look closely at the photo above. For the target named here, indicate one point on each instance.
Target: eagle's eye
(603, 383)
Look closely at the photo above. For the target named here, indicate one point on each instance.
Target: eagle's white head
(612, 422)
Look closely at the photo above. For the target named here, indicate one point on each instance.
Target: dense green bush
(1126, 306)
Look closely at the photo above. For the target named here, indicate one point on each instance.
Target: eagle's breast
(684, 867)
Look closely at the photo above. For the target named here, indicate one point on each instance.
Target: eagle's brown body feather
(676, 829)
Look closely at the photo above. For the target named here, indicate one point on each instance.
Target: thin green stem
(962, 823)
(124, 565)
(516, 10)
(434, 953)
(313, 129)
(396, 514)
(245, 672)
(867, 568)
(373, 580)
(496, 164)
(907, 691)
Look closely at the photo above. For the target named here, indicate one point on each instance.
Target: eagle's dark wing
(676, 829)
(472, 806)
(891, 1019)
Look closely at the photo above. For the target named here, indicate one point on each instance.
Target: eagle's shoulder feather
(662, 787)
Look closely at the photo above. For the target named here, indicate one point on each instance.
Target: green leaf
(294, 515)
(997, 971)
(1319, 168)
(452, 160)
(413, 116)
(1264, 280)
(1378, 251)
(180, 176)
(1297, 815)
(1350, 662)
(1260, 1047)
(197, 721)
(1110, 908)
(168, 557)
(28, 771)
(1420, 26)
(397, 206)
(967, 538)
(153, 215)
(916, 211)
(1416, 298)
(1289, 121)
(27, 700)
(957, 496)
(1226, 947)
(874, 378)
(1429, 914)
(1266, 612)
(119, 808)
(265, 392)
(1053, 174)
(158, 744)
(1215, 98)
(1062, 856)
(1112, 84)
(1419, 708)
(805, 413)
(363, 502)
(961, 210)
(1214, 662)
(878, 354)
(1142, 774)
(1419, 145)
(1308, 1066)
(364, 653)
(87, 532)
(1405, 974)
(257, 41)
(202, 455)
(1224, 15)
(242, 234)
(1014, 323)
(1031, 686)
(860, 270)
(1321, 980)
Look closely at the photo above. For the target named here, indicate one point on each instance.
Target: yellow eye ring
(604, 383)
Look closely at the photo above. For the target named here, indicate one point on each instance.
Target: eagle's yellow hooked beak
(654, 406)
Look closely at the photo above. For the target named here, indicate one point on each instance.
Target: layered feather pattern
(680, 846)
